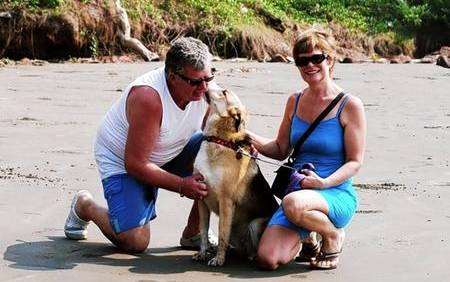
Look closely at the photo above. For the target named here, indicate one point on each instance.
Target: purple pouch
(295, 181)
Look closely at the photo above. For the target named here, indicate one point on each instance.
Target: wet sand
(49, 116)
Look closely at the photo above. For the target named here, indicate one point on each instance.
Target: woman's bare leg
(278, 245)
(308, 209)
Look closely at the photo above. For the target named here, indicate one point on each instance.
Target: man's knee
(135, 240)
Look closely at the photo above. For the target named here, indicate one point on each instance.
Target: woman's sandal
(322, 256)
(308, 252)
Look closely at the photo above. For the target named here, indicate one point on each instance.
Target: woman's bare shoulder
(354, 103)
(353, 111)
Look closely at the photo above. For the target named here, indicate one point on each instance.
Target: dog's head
(227, 116)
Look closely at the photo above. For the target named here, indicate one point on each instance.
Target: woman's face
(314, 66)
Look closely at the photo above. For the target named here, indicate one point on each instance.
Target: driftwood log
(125, 35)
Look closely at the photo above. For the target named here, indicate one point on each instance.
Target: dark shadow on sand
(60, 253)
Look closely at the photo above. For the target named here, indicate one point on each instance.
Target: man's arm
(144, 114)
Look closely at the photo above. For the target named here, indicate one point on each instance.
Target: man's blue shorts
(131, 203)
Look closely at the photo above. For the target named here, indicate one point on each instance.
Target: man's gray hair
(187, 51)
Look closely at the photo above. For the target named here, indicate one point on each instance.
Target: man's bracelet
(180, 188)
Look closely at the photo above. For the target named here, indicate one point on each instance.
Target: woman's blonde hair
(315, 38)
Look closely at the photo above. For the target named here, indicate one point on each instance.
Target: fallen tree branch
(6, 15)
(125, 35)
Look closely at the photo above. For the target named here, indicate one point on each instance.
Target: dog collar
(235, 146)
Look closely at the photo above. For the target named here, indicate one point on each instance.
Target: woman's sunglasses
(195, 82)
(315, 59)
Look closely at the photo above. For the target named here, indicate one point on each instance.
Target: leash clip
(239, 153)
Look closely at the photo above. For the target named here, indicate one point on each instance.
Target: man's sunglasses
(195, 82)
(315, 59)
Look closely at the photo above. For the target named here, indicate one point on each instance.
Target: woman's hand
(253, 151)
(312, 180)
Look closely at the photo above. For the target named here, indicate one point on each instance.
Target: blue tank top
(324, 147)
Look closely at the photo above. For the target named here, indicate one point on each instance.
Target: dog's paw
(216, 261)
(212, 248)
(200, 256)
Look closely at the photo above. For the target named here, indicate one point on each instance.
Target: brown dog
(238, 192)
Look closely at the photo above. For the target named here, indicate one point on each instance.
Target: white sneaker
(76, 228)
(195, 241)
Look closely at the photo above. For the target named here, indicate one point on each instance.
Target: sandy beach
(48, 120)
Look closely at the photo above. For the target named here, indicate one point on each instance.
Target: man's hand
(193, 187)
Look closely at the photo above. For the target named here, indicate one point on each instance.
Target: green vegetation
(33, 4)
(372, 16)
(222, 22)
(226, 13)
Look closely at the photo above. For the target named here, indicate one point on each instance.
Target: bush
(33, 4)
(405, 18)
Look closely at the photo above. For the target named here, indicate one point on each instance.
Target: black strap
(313, 125)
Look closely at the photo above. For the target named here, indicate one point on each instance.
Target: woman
(327, 200)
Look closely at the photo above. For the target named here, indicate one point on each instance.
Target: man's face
(193, 83)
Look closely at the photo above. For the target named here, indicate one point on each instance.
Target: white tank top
(177, 127)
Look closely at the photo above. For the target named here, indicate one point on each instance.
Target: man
(145, 141)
